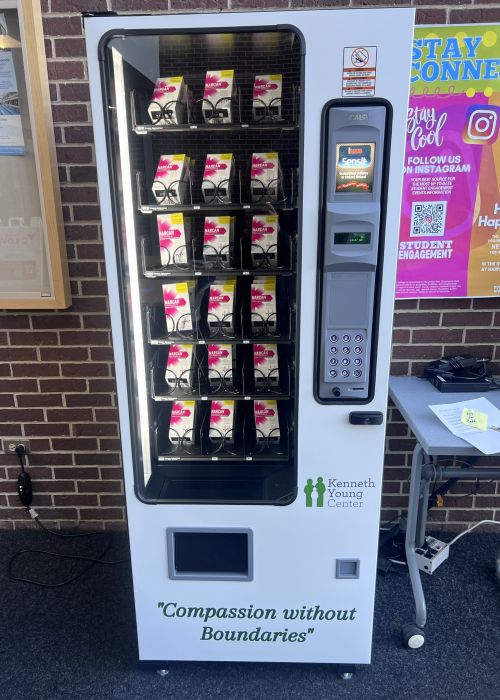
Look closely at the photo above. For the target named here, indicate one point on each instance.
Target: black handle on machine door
(366, 418)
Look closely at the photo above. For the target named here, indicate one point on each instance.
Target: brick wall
(56, 368)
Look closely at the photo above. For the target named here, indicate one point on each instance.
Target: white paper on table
(487, 441)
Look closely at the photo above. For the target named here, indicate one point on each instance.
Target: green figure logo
(320, 489)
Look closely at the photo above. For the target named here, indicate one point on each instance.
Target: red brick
(437, 335)
(62, 26)
(399, 369)
(33, 339)
(79, 134)
(63, 385)
(93, 321)
(99, 487)
(10, 354)
(477, 350)
(6, 400)
(74, 92)
(77, 473)
(471, 515)
(69, 414)
(112, 472)
(139, 5)
(100, 458)
(101, 513)
(13, 386)
(316, 3)
(97, 429)
(483, 335)
(82, 232)
(71, 48)
(84, 269)
(414, 320)
(69, 113)
(473, 15)
(48, 429)
(113, 444)
(258, 4)
(441, 304)
(83, 173)
(11, 321)
(73, 194)
(5, 370)
(36, 370)
(55, 486)
(31, 400)
(102, 354)
(90, 251)
(55, 321)
(405, 304)
(74, 154)
(426, 16)
(64, 354)
(88, 400)
(76, 499)
(74, 444)
(466, 319)
(95, 288)
(77, 6)
(21, 415)
(65, 70)
(86, 213)
(400, 336)
(111, 500)
(491, 303)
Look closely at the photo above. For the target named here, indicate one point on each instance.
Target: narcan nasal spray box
(267, 96)
(221, 306)
(218, 94)
(265, 176)
(264, 247)
(263, 304)
(265, 364)
(217, 177)
(222, 414)
(174, 236)
(218, 240)
(267, 425)
(169, 101)
(182, 422)
(220, 365)
(170, 185)
(178, 298)
(179, 366)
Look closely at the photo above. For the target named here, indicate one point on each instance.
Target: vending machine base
(250, 169)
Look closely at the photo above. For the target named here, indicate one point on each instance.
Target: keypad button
(358, 338)
(345, 360)
(346, 338)
(333, 360)
(346, 350)
(358, 361)
(358, 350)
(357, 373)
(345, 372)
(334, 350)
(334, 338)
(333, 373)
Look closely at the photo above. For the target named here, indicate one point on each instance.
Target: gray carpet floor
(79, 641)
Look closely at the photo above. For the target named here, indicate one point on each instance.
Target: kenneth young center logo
(336, 493)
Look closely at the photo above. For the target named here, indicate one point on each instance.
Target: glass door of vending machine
(205, 130)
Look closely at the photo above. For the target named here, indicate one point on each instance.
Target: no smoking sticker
(360, 71)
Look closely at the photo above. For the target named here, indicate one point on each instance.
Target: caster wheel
(413, 636)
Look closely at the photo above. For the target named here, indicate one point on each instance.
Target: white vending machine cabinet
(250, 170)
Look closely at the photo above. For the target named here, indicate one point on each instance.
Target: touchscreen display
(354, 167)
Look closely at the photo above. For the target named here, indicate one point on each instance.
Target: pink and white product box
(220, 365)
(222, 415)
(264, 247)
(263, 304)
(267, 424)
(170, 185)
(182, 422)
(217, 182)
(179, 366)
(265, 365)
(221, 306)
(218, 96)
(267, 91)
(169, 101)
(265, 176)
(178, 300)
(218, 239)
(174, 233)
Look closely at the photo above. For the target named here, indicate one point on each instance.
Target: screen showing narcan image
(354, 167)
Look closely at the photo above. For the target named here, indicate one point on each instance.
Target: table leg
(411, 535)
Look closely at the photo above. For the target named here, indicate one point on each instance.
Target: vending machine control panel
(355, 141)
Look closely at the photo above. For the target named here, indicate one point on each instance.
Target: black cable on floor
(92, 561)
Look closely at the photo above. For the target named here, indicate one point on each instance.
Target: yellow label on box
(181, 287)
(179, 156)
(177, 218)
(229, 285)
(272, 155)
(474, 419)
(270, 284)
(227, 73)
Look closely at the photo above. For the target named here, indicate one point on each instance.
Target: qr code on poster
(428, 218)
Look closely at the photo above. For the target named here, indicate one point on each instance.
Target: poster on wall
(449, 244)
(11, 130)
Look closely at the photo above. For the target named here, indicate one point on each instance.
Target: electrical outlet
(9, 444)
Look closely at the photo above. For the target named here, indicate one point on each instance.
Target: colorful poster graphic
(449, 243)
(11, 130)
(354, 171)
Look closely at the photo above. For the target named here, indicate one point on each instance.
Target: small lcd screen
(358, 238)
(354, 168)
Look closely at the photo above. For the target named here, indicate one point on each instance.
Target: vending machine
(250, 169)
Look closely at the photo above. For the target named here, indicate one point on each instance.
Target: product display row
(172, 101)
(174, 180)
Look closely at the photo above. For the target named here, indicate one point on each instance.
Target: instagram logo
(481, 124)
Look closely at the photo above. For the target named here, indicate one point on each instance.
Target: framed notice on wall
(450, 220)
(33, 267)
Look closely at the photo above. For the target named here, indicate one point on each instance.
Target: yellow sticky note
(474, 419)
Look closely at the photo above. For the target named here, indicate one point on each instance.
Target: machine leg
(413, 635)
(346, 672)
(162, 672)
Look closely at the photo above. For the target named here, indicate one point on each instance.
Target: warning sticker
(360, 71)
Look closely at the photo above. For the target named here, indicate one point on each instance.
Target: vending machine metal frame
(257, 580)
